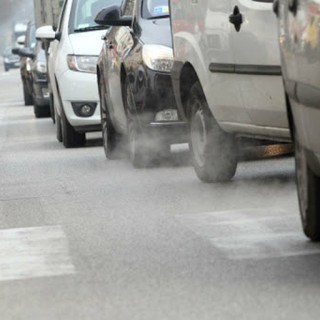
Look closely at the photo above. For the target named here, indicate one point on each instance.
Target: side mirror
(45, 33)
(111, 16)
(26, 52)
(21, 40)
(16, 51)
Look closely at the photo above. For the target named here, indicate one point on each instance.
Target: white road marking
(252, 233)
(34, 252)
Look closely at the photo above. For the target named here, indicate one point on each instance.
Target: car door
(304, 40)
(53, 56)
(257, 62)
(118, 43)
(307, 47)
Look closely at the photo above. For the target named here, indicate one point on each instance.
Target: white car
(299, 34)
(73, 54)
(227, 79)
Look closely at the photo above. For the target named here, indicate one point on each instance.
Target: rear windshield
(86, 10)
(153, 9)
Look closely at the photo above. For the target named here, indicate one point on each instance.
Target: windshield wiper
(158, 17)
(91, 28)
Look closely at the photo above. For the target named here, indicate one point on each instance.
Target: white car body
(73, 86)
(239, 72)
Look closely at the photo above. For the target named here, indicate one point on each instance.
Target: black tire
(110, 138)
(28, 99)
(6, 68)
(214, 152)
(308, 185)
(70, 137)
(141, 149)
(141, 152)
(58, 128)
(52, 111)
(41, 111)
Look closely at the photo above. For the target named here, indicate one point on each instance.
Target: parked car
(10, 61)
(299, 34)
(133, 74)
(227, 79)
(37, 78)
(27, 41)
(73, 54)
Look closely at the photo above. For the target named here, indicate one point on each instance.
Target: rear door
(257, 61)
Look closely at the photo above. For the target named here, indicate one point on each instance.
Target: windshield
(153, 9)
(86, 10)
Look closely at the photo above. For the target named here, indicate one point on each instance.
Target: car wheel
(52, 111)
(140, 150)
(213, 151)
(308, 185)
(110, 138)
(70, 137)
(58, 128)
(6, 68)
(28, 99)
(40, 111)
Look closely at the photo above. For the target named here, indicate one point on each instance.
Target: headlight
(41, 67)
(6, 60)
(82, 63)
(157, 57)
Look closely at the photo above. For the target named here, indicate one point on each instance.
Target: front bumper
(169, 132)
(41, 90)
(80, 87)
(153, 93)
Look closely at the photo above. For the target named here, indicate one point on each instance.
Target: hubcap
(199, 137)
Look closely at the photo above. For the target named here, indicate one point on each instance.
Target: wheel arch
(188, 77)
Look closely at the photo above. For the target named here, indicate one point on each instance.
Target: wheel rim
(302, 178)
(198, 137)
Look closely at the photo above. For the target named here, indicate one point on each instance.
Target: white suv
(73, 54)
(227, 79)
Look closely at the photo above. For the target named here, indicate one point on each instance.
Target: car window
(153, 9)
(86, 10)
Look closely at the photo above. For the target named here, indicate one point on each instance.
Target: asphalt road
(86, 238)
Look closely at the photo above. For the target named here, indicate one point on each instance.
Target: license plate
(45, 93)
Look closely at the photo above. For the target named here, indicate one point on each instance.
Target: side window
(128, 7)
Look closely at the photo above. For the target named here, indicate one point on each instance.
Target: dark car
(299, 34)
(133, 72)
(37, 78)
(10, 60)
(34, 74)
(25, 68)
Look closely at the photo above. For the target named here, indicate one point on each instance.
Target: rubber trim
(245, 69)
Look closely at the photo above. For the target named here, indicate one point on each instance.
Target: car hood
(87, 43)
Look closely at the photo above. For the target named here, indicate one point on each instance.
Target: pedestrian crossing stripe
(252, 233)
(34, 252)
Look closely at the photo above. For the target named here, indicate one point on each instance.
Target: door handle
(236, 18)
(293, 6)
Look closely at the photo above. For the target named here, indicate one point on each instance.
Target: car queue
(209, 72)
